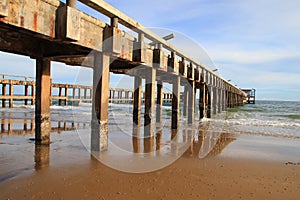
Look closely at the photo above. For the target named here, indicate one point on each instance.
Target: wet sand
(248, 167)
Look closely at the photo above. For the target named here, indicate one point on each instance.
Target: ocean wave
(256, 122)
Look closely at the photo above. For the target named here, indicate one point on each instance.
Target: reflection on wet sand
(204, 142)
(166, 145)
(26, 126)
(212, 141)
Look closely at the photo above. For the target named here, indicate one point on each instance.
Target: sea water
(270, 118)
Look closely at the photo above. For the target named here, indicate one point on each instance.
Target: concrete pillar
(99, 132)
(148, 144)
(191, 103)
(137, 100)
(59, 95)
(67, 96)
(149, 102)
(208, 100)
(126, 96)
(79, 94)
(42, 102)
(176, 102)
(41, 156)
(4, 94)
(26, 94)
(158, 139)
(159, 102)
(11, 94)
(136, 139)
(113, 96)
(202, 101)
(223, 97)
(185, 100)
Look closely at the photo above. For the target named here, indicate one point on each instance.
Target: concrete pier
(62, 33)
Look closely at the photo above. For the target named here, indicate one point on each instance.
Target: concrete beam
(3, 8)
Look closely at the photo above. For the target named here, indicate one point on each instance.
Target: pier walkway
(49, 30)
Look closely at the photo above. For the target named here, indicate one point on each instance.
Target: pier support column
(149, 102)
(214, 101)
(208, 100)
(4, 94)
(201, 101)
(67, 96)
(191, 103)
(99, 135)
(219, 100)
(11, 94)
(159, 102)
(60, 95)
(185, 101)
(32, 94)
(223, 98)
(42, 101)
(176, 102)
(137, 95)
(26, 94)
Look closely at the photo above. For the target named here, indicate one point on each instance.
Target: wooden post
(11, 94)
(4, 94)
(159, 100)
(176, 102)
(191, 102)
(42, 101)
(26, 94)
(99, 132)
(149, 102)
(202, 100)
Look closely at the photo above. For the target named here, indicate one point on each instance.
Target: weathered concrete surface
(175, 102)
(99, 133)
(150, 102)
(3, 8)
(42, 104)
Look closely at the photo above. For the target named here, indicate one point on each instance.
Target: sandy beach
(248, 167)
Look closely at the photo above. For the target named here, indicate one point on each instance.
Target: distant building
(250, 95)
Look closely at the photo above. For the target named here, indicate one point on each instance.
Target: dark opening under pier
(49, 30)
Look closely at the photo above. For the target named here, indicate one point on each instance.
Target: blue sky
(253, 43)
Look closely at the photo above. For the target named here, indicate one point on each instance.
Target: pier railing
(67, 94)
